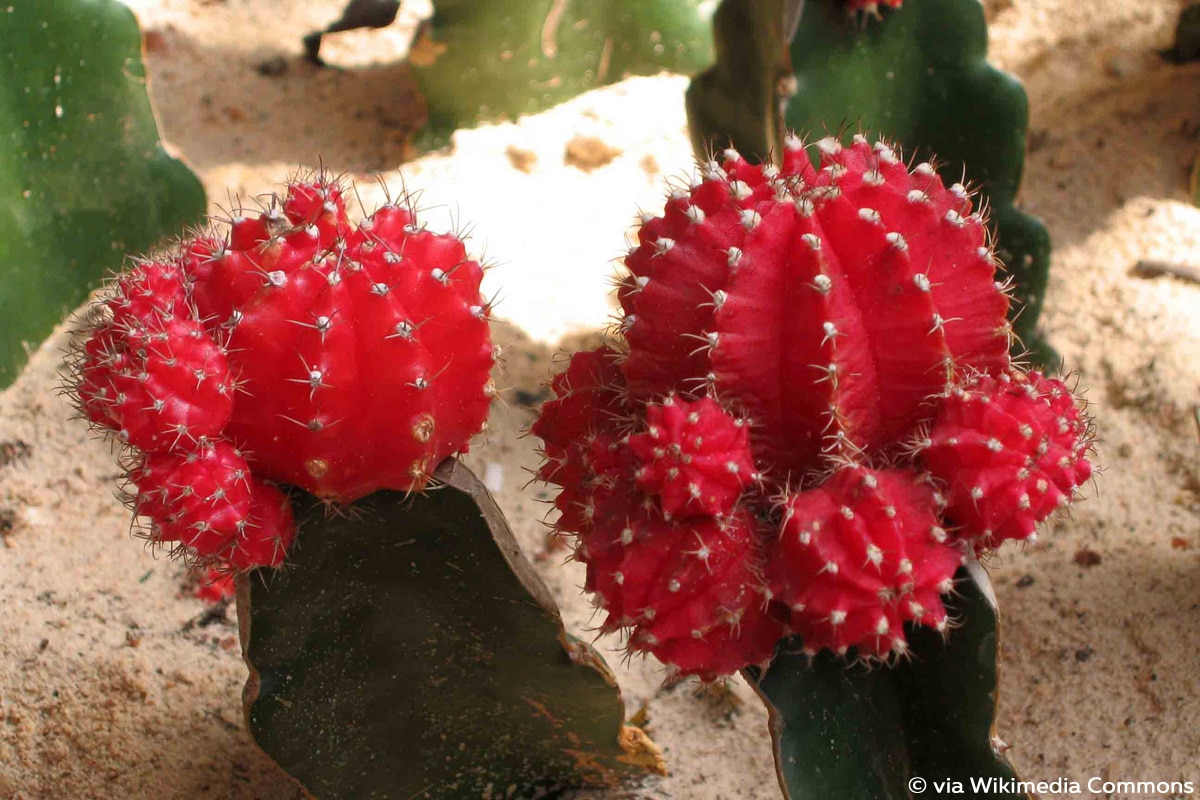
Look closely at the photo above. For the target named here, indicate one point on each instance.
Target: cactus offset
(694, 456)
(861, 555)
(789, 331)
(298, 349)
(1012, 449)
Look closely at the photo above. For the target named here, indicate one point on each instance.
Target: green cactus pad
(918, 76)
(863, 734)
(83, 178)
(408, 650)
(492, 61)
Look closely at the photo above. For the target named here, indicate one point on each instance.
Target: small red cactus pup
(293, 349)
(812, 419)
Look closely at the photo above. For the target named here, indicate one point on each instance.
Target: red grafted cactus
(1011, 449)
(830, 305)
(296, 349)
(789, 330)
(579, 432)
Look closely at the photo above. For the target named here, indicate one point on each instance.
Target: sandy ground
(116, 683)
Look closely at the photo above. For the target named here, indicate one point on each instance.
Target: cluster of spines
(830, 310)
(338, 358)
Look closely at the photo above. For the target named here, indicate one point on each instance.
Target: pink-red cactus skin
(789, 333)
(678, 567)
(1011, 449)
(829, 305)
(298, 349)
(214, 586)
(578, 431)
(687, 588)
(859, 556)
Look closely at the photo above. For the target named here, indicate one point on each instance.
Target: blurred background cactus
(83, 176)
(916, 75)
(478, 62)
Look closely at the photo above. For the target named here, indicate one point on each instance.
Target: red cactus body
(776, 295)
(685, 585)
(796, 323)
(214, 586)
(1011, 449)
(299, 349)
(578, 432)
(861, 555)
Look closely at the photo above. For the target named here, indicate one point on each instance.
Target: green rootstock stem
(408, 650)
(863, 734)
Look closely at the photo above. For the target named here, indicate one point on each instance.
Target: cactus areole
(811, 419)
(293, 348)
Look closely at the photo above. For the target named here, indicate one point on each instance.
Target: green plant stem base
(858, 733)
(408, 650)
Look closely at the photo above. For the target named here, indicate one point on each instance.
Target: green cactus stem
(918, 76)
(863, 734)
(410, 651)
(83, 177)
(740, 100)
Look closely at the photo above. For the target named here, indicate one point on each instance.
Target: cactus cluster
(812, 419)
(296, 348)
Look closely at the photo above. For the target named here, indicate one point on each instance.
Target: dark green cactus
(863, 734)
(83, 178)
(918, 76)
(410, 651)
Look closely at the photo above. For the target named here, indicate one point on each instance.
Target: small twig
(1155, 269)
